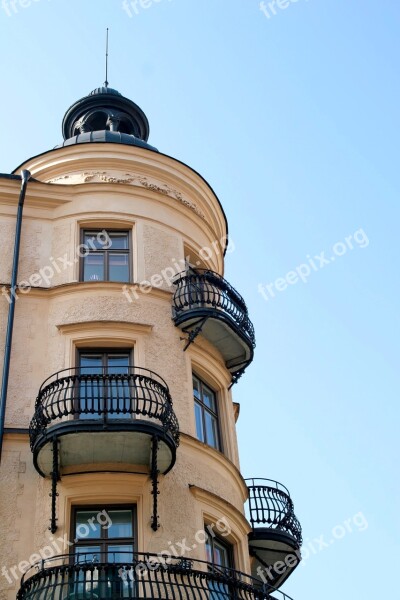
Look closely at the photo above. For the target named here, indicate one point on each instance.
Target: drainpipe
(25, 176)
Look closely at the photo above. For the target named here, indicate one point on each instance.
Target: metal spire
(106, 82)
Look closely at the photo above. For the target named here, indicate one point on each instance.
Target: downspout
(25, 176)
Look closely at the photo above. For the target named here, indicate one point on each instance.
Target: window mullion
(203, 415)
(106, 266)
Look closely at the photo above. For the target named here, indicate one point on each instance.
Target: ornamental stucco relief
(127, 179)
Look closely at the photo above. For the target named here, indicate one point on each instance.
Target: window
(219, 553)
(103, 535)
(219, 557)
(105, 397)
(205, 407)
(107, 256)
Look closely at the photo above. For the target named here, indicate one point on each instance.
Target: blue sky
(294, 121)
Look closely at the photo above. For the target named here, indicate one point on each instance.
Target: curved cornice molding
(110, 326)
(216, 456)
(78, 287)
(220, 504)
(106, 163)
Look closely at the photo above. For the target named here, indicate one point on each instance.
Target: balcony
(103, 422)
(276, 532)
(97, 422)
(135, 576)
(204, 302)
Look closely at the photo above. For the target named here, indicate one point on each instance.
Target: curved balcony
(135, 576)
(204, 302)
(103, 422)
(276, 533)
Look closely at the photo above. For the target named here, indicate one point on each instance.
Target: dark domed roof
(105, 90)
(105, 115)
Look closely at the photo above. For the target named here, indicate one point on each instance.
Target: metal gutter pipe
(25, 176)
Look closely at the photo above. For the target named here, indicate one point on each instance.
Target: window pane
(196, 388)
(118, 363)
(211, 430)
(121, 524)
(93, 240)
(221, 557)
(208, 550)
(199, 422)
(217, 552)
(120, 553)
(118, 267)
(93, 267)
(208, 397)
(88, 553)
(87, 526)
(91, 364)
(119, 241)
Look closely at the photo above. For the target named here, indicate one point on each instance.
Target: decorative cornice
(200, 353)
(128, 179)
(39, 195)
(122, 161)
(220, 458)
(105, 326)
(76, 287)
(211, 499)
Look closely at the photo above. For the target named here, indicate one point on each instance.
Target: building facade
(120, 473)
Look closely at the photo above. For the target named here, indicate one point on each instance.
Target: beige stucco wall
(167, 206)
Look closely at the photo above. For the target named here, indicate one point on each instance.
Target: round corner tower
(120, 454)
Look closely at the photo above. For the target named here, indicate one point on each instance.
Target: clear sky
(293, 118)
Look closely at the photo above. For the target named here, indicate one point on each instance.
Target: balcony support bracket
(235, 377)
(193, 332)
(154, 483)
(55, 477)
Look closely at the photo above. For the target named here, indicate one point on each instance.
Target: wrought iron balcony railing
(139, 576)
(78, 409)
(201, 295)
(271, 506)
(82, 395)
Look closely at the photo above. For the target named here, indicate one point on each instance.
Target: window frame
(228, 547)
(102, 352)
(106, 267)
(103, 541)
(215, 414)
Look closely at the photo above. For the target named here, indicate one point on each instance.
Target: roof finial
(106, 82)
